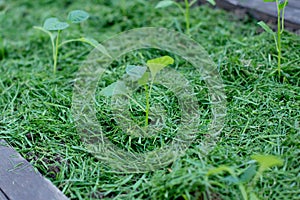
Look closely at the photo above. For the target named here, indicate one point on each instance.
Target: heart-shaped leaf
(157, 64)
(163, 4)
(77, 16)
(144, 79)
(267, 161)
(53, 24)
(116, 88)
(248, 174)
(135, 72)
(231, 180)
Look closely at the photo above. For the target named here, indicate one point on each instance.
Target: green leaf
(53, 24)
(95, 44)
(269, 0)
(116, 88)
(266, 27)
(144, 79)
(135, 72)
(164, 4)
(231, 179)
(248, 174)
(77, 16)
(212, 2)
(267, 161)
(282, 4)
(157, 64)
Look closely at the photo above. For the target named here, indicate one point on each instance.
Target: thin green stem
(186, 13)
(275, 39)
(54, 47)
(55, 52)
(187, 17)
(148, 97)
(282, 16)
(278, 39)
(68, 41)
(147, 105)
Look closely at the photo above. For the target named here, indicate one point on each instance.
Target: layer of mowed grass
(263, 113)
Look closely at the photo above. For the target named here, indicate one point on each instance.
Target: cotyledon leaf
(157, 64)
(135, 72)
(77, 16)
(144, 79)
(267, 161)
(53, 24)
(116, 88)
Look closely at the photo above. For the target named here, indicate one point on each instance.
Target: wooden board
(3, 196)
(20, 181)
(265, 10)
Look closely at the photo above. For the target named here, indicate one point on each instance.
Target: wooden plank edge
(259, 15)
(3, 195)
(19, 180)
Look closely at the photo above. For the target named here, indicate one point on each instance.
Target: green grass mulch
(263, 113)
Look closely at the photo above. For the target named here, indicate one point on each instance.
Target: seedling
(280, 4)
(144, 76)
(54, 27)
(185, 11)
(247, 179)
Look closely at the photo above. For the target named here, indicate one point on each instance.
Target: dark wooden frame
(265, 11)
(20, 181)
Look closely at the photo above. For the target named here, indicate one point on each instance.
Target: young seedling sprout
(185, 11)
(141, 75)
(280, 4)
(246, 179)
(54, 27)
